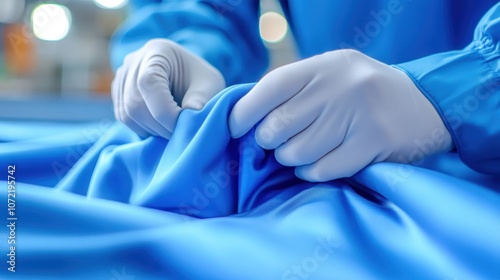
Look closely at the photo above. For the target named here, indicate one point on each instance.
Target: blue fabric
(205, 206)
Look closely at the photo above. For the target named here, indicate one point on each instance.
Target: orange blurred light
(20, 58)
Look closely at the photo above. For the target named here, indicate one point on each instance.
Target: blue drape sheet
(205, 206)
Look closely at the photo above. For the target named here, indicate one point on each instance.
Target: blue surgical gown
(205, 206)
(450, 52)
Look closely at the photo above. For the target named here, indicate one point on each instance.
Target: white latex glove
(335, 113)
(156, 82)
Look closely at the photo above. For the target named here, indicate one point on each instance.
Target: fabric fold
(205, 206)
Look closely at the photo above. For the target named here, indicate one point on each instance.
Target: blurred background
(58, 50)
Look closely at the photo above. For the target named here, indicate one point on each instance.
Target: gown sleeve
(223, 32)
(464, 87)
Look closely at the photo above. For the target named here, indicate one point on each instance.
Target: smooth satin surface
(205, 206)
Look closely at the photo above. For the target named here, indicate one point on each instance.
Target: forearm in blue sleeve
(464, 87)
(223, 32)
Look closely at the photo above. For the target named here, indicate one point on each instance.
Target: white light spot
(110, 4)
(51, 22)
(273, 27)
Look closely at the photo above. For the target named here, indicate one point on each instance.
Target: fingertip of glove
(311, 174)
(194, 105)
(299, 173)
(234, 128)
(233, 131)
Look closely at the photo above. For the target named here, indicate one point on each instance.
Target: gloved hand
(156, 82)
(335, 113)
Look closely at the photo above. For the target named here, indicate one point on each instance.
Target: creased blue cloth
(205, 206)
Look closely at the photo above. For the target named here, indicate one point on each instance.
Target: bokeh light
(110, 4)
(273, 27)
(51, 22)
